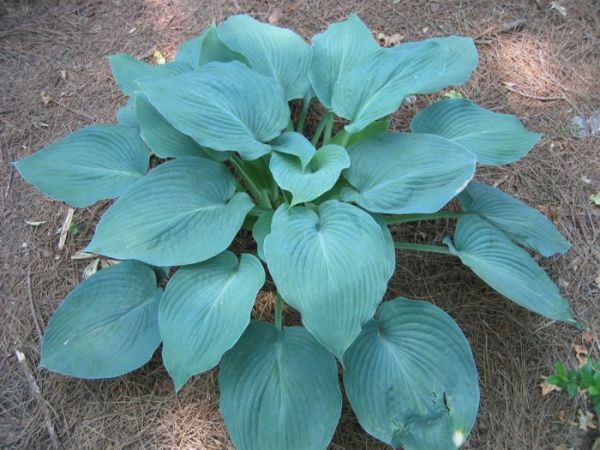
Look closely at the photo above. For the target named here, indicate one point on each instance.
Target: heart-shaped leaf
(204, 311)
(411, 379)
(336, 51)
(332, 265)
(523, 224)
(164, 140)
(184, 211)
(317, 178)
(276, 52)
(279, 390)
(493, 137)
(404, 173)
(128, 71)
(507, 268)
(292, 143)
(107, 326)
(93, 163)
(223, 106)
(376, 87)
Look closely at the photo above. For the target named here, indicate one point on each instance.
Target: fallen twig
(35, 392)
(511, 88)
(38, 329)
(73, 110)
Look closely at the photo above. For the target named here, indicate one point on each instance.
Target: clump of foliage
(585, 379)
(229, 155)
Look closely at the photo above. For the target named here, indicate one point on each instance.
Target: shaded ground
(553, 64)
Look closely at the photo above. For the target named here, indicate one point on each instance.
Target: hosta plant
(226, 154)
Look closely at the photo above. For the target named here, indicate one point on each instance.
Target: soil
(545, 68)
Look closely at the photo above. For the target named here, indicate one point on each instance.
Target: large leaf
(292, 143)
(411, 379)
(204, 49)
(224, 106)
(128, 71)
(493, 137)
(126, 114)
(276, 52)
(107, 326)
(184, 211)
(164, 140)
(332, 265)
(377, 86)
(523, 224)
(204, 311)
(94, 163)
(279, 390)
(337, 50)
(318, 177)
(399, 173)
(507, 268)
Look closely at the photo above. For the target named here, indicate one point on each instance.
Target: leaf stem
(345, 139)
(302, 118)
(290, 126)
(422, 247)
(328, 127)
(261, 197)
(278, 311)
(319, 131)
(390, 220)
(258, 211)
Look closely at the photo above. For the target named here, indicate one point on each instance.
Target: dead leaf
(588, 338)
(562, 416)
(106, 263)
(275, 16)
(548, 388)
(63, 74)
(35, 223)
(91, 268)
(46, 99)
(158, 58)
(597, 281)
(556, 6)
(581, 353)
(64, 229)
(586, 421)
(82, 255)
(389, 41)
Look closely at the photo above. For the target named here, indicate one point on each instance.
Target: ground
(545, 68)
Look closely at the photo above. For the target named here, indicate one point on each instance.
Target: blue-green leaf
(523, 224)
(94, 163)
(126, 114)
(276, 52)
(493, 137)
(292, 143)
(184, 211)
(400, 173)
(411, 379)
(279, 390)
(336, 51)
(224, 106)
(163, 139)
(371, 130)
(317, 178)
(260, 230)
(377, 86)
(332, 265)
(507, 268)
(204, 311)
(107, 326)
(204, 49)
(128, 71)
